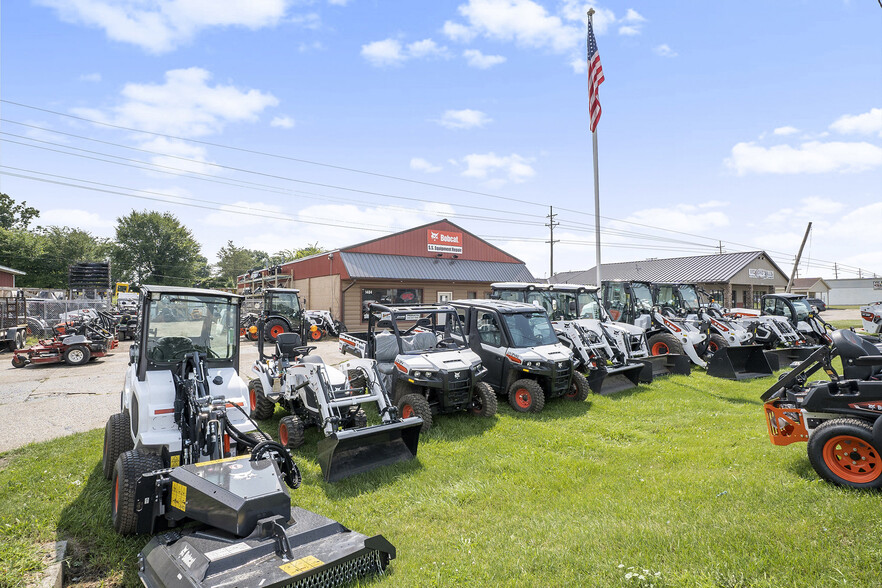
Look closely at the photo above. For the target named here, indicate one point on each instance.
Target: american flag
(595, 78)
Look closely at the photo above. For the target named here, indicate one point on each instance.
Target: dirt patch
(78, 571)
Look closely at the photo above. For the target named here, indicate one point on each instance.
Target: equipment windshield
(179, 324)
(530, 329)
(802, 307)
(642, 297)
(689, 297)
(285, 303)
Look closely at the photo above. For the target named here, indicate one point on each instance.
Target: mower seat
(75, 340)
(312, 359)
(850, 347)
(385, 352)
(287, 345)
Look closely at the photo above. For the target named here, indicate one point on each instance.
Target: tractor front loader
(331, 399)
(184, 448)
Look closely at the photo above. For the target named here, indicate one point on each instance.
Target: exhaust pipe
(354, 451)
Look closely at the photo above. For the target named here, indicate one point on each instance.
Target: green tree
(46, 254)
(233, 261)
(292, 254)
(155, 248)
(15, 216)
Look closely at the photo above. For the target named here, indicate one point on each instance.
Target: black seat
(287, 345)
(850, 347)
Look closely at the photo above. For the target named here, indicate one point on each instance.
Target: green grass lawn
(676, 482)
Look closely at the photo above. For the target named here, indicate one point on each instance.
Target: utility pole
(721, 247)
(836, 270)
(798, 256)
(551, 224)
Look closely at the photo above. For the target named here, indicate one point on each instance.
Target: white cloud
(420, 164)
(184, 105)
(523, 21)
(178, 156)
(338, 2)
(664, 50)
(91, 77)
(391, 52)
(463, 119)
(634, 23)
(633, 16)
(629, 30)
(575, 11)
(867, 123)
(78, 219)
(785, 131)
(809, 158)
(477, 59)
(458, 32)
(231, 215)
(679, 217)
(484, 166)
(159, 26)
(283, 122)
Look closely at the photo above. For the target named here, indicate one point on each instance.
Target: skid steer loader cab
(797, 310)
(421, 352)
(524, 358)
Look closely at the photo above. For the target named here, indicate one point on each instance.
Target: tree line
(148, 247)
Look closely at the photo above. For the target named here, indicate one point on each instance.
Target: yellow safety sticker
(234, 458)
(174, 461)
(179, 497)
(301, 565)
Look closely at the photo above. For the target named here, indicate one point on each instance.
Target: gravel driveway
(43, 402)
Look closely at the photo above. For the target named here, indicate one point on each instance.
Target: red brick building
(431, 263)
(7, 277)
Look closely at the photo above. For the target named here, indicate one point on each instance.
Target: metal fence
(45, 314)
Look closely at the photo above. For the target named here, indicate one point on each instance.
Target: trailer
(13, 322)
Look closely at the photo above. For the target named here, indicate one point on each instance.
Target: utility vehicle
(871, 317)
(522, 354)
(422, 357)
(184, 448)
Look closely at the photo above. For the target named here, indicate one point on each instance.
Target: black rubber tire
(828, 430)
(716, 340)
(579, 388)
(291, 432)
(19, 340)
(80, 358)
(418, 406)
(484, 401)
(126, 472)
(667, 340)
(19, 361)
(340, 327)
(117, 440)
(526, 395)
(259, 436)
(270, 325)
(262, 407)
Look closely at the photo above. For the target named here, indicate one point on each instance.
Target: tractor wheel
(117, 440)
(483, 400)
(356, 419)
(526, 396)
(77, 355)
(579, 388)
(414, 404)
(316, 335)
(291, 431)
(274, 328)
(716, 342)
(249, 335)
(20, 340)
(662, 343)
(19, 361)
(262, 407)
(842, 452)
(126, 472)
(257, 437)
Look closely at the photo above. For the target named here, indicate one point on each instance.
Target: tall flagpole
(594, 83)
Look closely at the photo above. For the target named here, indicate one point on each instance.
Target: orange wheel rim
(659, 348)
(574, 391)
(283, 434)
(852, 459)
(316, 335)
(116, 495)
(523, 398)
(712, 347)
(252, 397)
(406, 411)
(276, 331)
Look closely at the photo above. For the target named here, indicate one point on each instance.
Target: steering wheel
(446, 342)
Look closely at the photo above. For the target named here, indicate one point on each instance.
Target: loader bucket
(619, 379)
(739, 363)
(656, 366)
(310, 550)
(354, 451)
(787, 355)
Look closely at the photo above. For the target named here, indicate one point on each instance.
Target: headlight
(477, 367)
(417, 374)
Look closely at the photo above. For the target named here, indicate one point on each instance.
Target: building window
(471, 295)
(389, 296)
(717, 296)
(757, 298)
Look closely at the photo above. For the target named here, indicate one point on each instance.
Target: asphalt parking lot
(43, 402)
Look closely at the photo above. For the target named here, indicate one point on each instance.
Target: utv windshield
(689, 298)
(802, 307)
(530, 329)
(420, 331)
(642, 297)
(177, 325)
(285, 303)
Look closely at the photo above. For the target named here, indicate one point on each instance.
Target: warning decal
(179, 497)
(301, 565)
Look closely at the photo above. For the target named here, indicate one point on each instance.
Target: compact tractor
(839, 418)
(318, 395)
(325, 324)
(184, 448)
(281, 312)
(423, 358)
(612, 356)
(521, 352)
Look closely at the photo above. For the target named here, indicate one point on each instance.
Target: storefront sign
(761, 274)
(444, 241)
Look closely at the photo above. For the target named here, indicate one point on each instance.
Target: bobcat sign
(444, 241)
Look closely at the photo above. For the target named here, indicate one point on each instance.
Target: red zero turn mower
(73, 350)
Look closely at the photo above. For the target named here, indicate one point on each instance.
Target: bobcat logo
(434, 236)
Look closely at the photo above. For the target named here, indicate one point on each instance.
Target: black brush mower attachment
(251, 536)
(739, 362)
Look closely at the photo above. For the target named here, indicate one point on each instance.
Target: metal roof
(503, 306)
(186, 291)
(689, 270)
(9, 270)
(402, 267)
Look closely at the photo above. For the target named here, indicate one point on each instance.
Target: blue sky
(732, 122)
